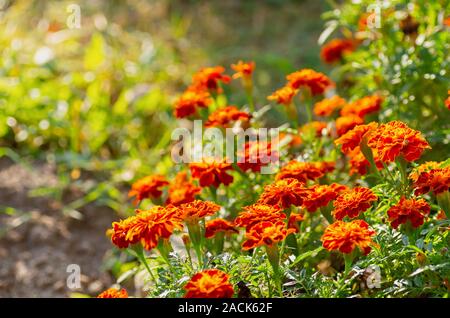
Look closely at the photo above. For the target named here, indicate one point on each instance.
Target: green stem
(292, 113)
(348, 258)
(139, 251)
(274, 260)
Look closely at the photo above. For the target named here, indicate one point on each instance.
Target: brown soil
(38, 242)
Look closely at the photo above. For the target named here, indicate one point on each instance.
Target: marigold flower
(255, 155)
(424, 167)
(284, 193)
(147, 187)
(182, 190)
(321, 195)
(447, 22)
(352, 202)
(363, 106)
(316, 126)
(190, 101)
(113, 293)
(327, 106)
(408, 210)
(258, 213)
(265, 233)
(346, 123)
(219, 225)
(397, 139)
(210, 283)
(447, 101)
(303, 171)
(283, 95)
(294, 218)
(352, 138)
(198, 209)
(358, 162)
(225, 116)
(346, 236)
(147, 226)
(295, 140)
(317, 82)
(211, 172)
(208, 78)
(243, 69)
(334, 50)
(436, 180)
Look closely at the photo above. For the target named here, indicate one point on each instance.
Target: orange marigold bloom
(352, 202)
(258, 213)
(334, 50)
(210, 283)
(352, 138)
(321, 195)
(188, 103)
(243, 69)
(211, 172)
(208, 78)
(295, 140)
(303, 171)
(294, 218)
(284, 193)
(316, 126)
(255, 155)
(362, 22)
(147, 187)
(317, 82)
(436, 180)
(219, 225)
(363, 106)
(397, 139)
(113, 293)
(327, 106)
(198, 209)
(283, 95)
(266, 233)
(147, 226)
(408, 210)
(346, 123)
(447, 101)
(182, 190)
(447, 23)
(358, 162)
(424, 167)
(346, 236)
(225, 116)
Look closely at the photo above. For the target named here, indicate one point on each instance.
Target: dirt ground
(40, 242)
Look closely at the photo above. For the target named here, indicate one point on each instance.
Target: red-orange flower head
(352, 138)
(322, 195)
(397, 139)
(113, 293)
(284, 193)
(447, 101)
(334, 50)
(266, 233)
(182, 190)
(224, 117)
(315, 126)
(283, 95)
(346, 236)
(219, 225)
(147, 226)
(436, 180)
(346, 123)
(211, 173)
(208, 78)
(408, 210)
(243, 69)
(210, 283)
(293, 221)
(190, 101)
(198, 209)
(303, 171)
(256, 154)
(363, 106)
(147, 187)
(328, 106)
(258, 213)
(358, 162)
(317, 82)
(353, 202)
